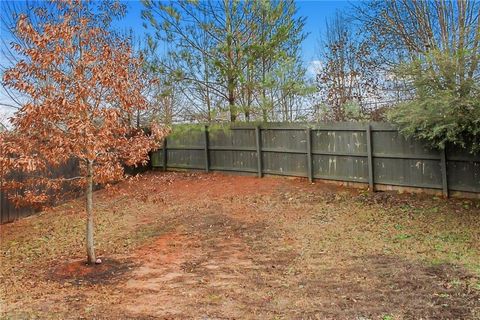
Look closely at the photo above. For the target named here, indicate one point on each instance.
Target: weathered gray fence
(9, 212)
(374, 154)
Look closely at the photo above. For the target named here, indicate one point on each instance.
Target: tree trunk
(90, 244)
(231, 103)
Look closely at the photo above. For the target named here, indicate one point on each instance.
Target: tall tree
(165, 102)
(278, 76)
(290, 92)
(203, 36)
(229, 51)
(84, 89)
(348, 76)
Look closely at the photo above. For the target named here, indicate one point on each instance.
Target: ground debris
(181, 245)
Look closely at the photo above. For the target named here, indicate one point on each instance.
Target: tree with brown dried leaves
(84, 90)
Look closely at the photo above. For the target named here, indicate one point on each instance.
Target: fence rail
(374, 154)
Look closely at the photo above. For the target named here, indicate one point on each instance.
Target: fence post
(164, 149)
(368, 132)
(443, 164)
(308, 133)
(207, 157)
(258, 139)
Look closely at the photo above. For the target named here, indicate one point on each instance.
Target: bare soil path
(214, 246)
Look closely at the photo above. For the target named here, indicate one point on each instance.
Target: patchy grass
(190, 245)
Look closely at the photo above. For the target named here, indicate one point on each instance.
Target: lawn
(214, 246)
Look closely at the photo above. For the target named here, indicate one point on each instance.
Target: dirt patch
(79, 272)
(162, 188)
(384, 198)
(202, 266)
(214, 246)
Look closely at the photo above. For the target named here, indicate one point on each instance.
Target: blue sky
(316, 12)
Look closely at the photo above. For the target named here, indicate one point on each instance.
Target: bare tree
(405, 30)
(348, 76)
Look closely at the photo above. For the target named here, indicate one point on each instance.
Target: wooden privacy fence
(9, 212)
(374, 154)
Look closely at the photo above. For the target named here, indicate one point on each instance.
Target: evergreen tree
(230, 52)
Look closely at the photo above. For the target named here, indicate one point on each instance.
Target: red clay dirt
(212, 246)
(80, 271)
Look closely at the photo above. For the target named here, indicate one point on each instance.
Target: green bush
(446, 105)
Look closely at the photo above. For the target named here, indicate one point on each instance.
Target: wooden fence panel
(399, 161)
(227, 160)
(392, 143)
(368, 153)
(157, 158)
(407, 172)
(339, 142)
(284, 140)
(188, 138)
(340, 154)
(463, 170)
(186, 149)
(239, 138)
(289, 164)
(188, 159)
(340, 168)
(233, 150)
(284, 152)
(8, 212)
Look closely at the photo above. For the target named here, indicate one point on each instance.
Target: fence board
(392, 143)
(408, 172)
(340, 168)
(188, 158)
(463, 176)
(293, 164)
(233, 160)
(284, 140)
(187, 138)
(345, 142)
(233, 138)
